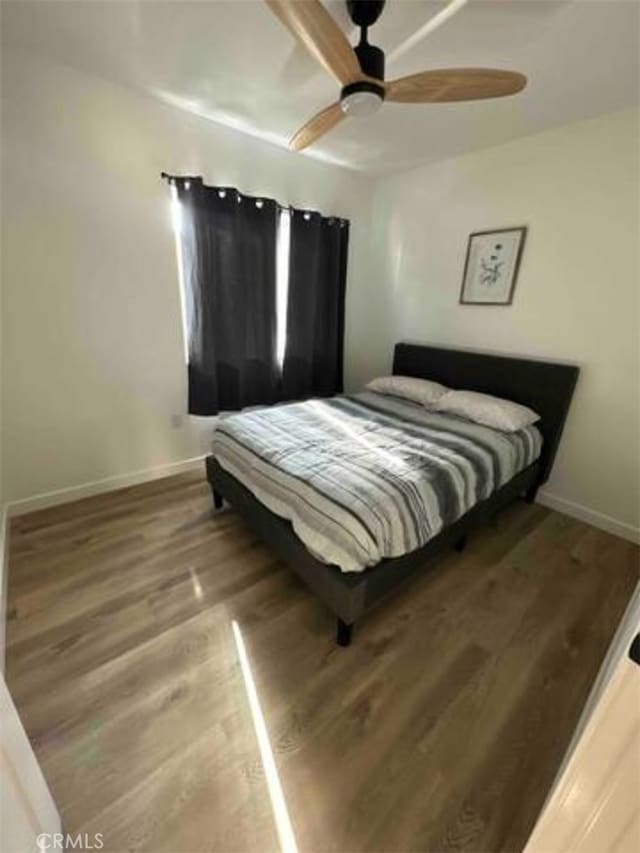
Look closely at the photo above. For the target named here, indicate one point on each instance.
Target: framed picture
(491, 266)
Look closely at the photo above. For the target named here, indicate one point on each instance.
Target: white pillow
(487, 410)
(421, 391)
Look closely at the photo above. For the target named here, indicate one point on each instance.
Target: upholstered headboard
(545, 386)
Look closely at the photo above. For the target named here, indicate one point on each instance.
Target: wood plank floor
(439, 729)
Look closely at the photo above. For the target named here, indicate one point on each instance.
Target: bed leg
(461, 544)
(217, 499)
(343, 633)
(530, 494)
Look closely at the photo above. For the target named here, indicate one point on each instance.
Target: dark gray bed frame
(546, 387)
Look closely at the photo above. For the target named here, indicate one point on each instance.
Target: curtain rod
(165, 176)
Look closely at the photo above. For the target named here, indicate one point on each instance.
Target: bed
(298, 473)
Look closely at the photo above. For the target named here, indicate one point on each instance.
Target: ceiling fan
(360, 69)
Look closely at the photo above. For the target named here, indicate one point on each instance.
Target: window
(282, 283)
(176, 219)
(261, 295)
(282, 274)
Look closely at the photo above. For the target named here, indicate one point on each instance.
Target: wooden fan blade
(455, 84)
(317, 127)
(314, 27)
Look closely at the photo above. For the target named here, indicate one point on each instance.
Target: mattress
(367, 476)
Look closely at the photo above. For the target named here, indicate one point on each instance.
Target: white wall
(93, 364)
(4, 579)
(26, 807)
(576, 299)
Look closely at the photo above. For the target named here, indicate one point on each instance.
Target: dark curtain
(228, 244)
(315, 314)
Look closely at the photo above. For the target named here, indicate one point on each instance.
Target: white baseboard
(98, 487)
(590, 516)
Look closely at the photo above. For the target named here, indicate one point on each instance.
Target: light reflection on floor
(276, 795)
(195, 583)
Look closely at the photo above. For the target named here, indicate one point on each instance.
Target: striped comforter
(367, 476)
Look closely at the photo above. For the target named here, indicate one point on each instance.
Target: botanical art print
(491, 266)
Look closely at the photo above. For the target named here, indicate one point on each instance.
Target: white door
(595, 805)
(26, 807)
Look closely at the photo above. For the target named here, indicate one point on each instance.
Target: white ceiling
(233, 62)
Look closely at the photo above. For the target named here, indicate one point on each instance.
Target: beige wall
(93, 367)
(576, 188)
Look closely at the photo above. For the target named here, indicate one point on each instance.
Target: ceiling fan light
(361, 99)
(361, 104)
